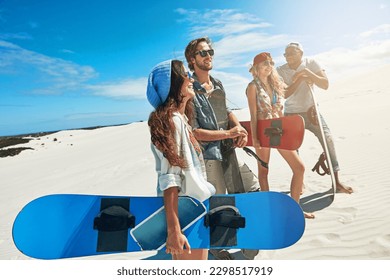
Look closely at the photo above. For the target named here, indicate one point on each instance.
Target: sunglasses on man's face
(204, 53)
(293, 53)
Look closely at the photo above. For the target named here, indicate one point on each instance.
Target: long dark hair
(162, 128)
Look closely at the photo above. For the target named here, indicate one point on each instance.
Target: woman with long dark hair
(176, 150)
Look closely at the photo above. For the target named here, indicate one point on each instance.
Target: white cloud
(67, 51)
(95, 115)
(220, 22)
(129, 88)
(18, 35)
(381, 29)
(59, 76)
(371, 50)
(234, 34)
(238, 36)
(235, 86)
(53, 75)
(233, 50)
(341, 62)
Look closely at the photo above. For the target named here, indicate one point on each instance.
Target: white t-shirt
(301, 100)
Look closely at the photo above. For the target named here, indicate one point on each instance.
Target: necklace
(267, 88)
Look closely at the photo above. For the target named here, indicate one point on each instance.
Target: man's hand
(237, 131)
(304, 75)
(241, 141)
(240, 136)
(319, 79)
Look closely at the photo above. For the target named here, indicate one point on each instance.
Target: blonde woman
(265, 95)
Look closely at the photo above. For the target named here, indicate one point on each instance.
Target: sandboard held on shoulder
(72, 225)
(282, 133)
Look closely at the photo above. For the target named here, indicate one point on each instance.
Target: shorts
(215, 176)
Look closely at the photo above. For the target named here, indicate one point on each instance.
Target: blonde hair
(274, 79)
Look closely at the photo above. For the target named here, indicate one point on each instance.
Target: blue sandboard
(70, 225)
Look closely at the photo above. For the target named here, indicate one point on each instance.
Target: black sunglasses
(203, 53)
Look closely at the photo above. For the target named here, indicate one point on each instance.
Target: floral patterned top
(268, 107)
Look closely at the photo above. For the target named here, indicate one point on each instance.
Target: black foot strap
(114, 218)
(253, 154)
(112, 224)
(223, 219)
(321, 167)
(225, 216)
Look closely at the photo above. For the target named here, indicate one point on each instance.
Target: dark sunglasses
(290, 53)
(204, 53)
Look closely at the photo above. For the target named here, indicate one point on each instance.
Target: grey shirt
(301, 100)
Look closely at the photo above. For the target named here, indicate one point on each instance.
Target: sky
(69, 64)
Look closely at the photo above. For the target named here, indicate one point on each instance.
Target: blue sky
(78, 63)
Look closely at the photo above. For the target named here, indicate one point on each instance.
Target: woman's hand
(176, 243)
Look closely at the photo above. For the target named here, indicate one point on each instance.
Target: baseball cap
(295, 45)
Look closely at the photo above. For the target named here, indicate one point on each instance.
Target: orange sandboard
(284, 133)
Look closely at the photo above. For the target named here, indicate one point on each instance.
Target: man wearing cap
(215, 125)
(300, 74)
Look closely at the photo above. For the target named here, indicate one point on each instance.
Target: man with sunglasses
(300, 74)
(218, 129)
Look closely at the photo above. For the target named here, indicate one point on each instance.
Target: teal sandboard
(71, 225)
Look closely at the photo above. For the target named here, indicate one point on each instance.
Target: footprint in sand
(380, 246)
(347, 215)
(325, 239)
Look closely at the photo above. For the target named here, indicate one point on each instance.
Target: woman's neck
(182, 107)
(263, 79)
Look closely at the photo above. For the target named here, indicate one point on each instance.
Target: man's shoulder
(216, 81)
(310, 61)
(283, 67)
(284, 70)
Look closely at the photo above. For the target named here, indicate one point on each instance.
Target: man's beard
(204, 67)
